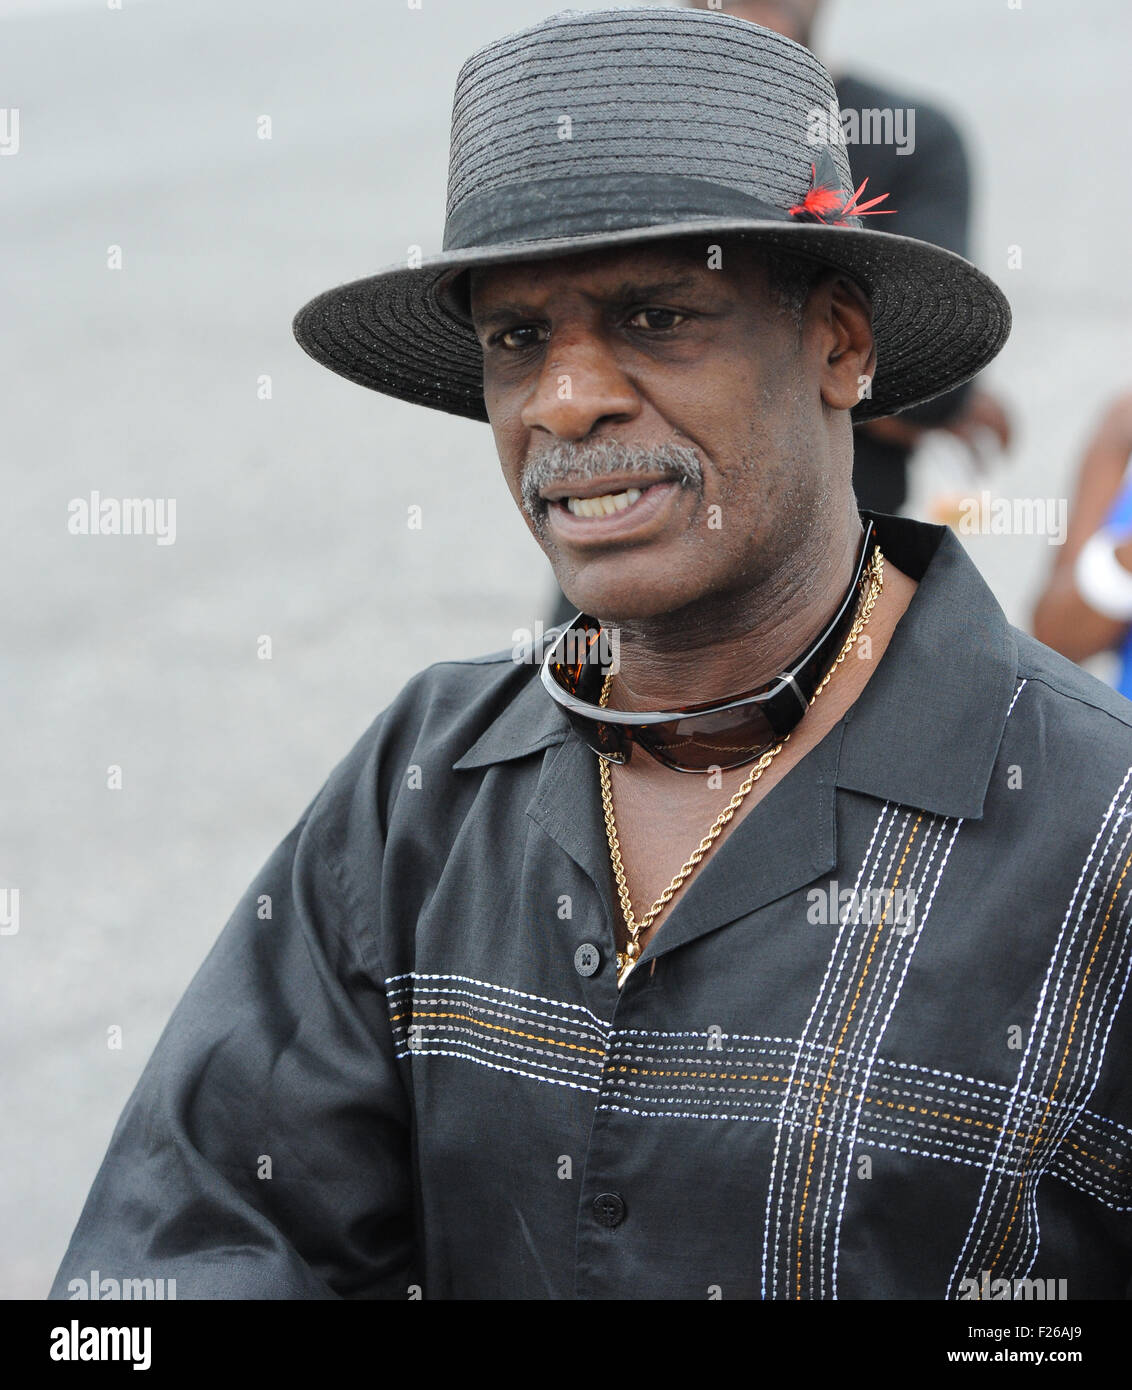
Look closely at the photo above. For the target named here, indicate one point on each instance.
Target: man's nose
(580, 385)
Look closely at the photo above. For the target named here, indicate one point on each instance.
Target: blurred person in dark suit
(921, 161)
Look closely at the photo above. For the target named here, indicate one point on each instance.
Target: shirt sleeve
(265, 1152)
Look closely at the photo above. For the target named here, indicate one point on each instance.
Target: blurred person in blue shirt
(1086, 606)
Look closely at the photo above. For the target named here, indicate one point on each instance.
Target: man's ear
(848, 366)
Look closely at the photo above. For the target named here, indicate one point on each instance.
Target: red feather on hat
(826, 196)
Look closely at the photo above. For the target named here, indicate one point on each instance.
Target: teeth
(605, 505)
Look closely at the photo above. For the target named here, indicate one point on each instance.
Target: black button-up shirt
(879, 1047)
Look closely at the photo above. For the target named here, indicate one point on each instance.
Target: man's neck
(723, 645)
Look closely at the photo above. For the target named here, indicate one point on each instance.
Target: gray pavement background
(138, 128)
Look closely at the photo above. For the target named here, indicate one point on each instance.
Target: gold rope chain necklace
(628, 958)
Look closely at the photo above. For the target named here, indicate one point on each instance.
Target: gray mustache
(565, 462)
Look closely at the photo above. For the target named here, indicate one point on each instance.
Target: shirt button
(587, 958)
(609, 1209)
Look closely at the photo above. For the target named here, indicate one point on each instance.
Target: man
(491, 1023)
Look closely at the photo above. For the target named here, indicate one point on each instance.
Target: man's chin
(632, 602)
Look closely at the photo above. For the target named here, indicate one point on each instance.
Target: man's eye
(513, 338)
(656, 319)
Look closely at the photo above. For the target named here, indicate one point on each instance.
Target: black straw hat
(614, 127)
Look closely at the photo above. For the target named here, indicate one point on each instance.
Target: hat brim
(937, 319)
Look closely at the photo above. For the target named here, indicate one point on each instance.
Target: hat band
(549, 208)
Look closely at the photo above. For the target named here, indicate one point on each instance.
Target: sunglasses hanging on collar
(694, 738)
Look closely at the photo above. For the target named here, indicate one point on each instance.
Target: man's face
(629, 369)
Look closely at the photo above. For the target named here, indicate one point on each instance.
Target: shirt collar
(926, 728)
(530, 721)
